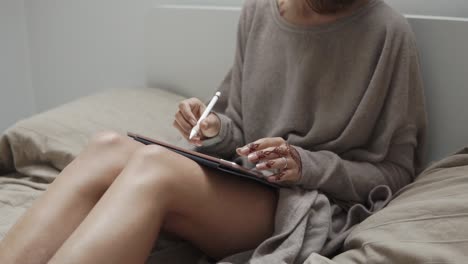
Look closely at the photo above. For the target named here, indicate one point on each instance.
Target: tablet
(209, 161)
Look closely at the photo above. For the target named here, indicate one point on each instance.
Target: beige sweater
(348, 95)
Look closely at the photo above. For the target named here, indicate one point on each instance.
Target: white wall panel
(451, 8)
(201, 2)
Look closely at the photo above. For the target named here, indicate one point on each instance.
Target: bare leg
(55, 215)
(219, 213)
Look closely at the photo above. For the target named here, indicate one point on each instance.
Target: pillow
(44, 144)
(427, 221)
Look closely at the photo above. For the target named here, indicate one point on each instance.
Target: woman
(328, 92)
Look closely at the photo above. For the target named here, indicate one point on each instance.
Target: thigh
(222, 214)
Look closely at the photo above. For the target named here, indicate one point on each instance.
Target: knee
(106, 140)
(105, 156)
(152, 152)
(158, 167)
(154, 158)
(110, 148)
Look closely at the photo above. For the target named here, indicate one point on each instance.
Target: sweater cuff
(222, 135)
(310, 176)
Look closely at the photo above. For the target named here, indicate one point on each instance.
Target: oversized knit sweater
(347, 95)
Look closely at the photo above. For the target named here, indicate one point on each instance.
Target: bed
(427, 221)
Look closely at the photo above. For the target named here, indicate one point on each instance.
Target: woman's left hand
(274, 153)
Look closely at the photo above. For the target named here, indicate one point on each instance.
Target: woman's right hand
(186, 118)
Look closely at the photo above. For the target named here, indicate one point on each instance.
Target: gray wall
(80, 47)
(16, 94)
(454, 8)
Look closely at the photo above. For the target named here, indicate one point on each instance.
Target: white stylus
(207, 111)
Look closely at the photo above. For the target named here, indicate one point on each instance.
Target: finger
(196, 142)
(196, 138)
(186, 111)
(205, 124)
(283, 177)
(210, 126)
(183, 123)
(269, 153)
(182, 132)
(259, 145)
(279, 163)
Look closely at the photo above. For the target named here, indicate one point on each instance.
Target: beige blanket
(426, 223)
(35, 150)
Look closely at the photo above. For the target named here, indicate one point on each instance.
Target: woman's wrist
(297, 158)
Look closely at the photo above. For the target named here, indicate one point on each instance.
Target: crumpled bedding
(426, 222)
(35, 150)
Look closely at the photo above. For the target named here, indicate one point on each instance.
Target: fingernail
(252, 156)
(194, 122)
(243, 150)
(260, 166)
(239, 151)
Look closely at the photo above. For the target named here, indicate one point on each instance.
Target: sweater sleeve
(229, 108)
(394, 153)
(352, 181)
